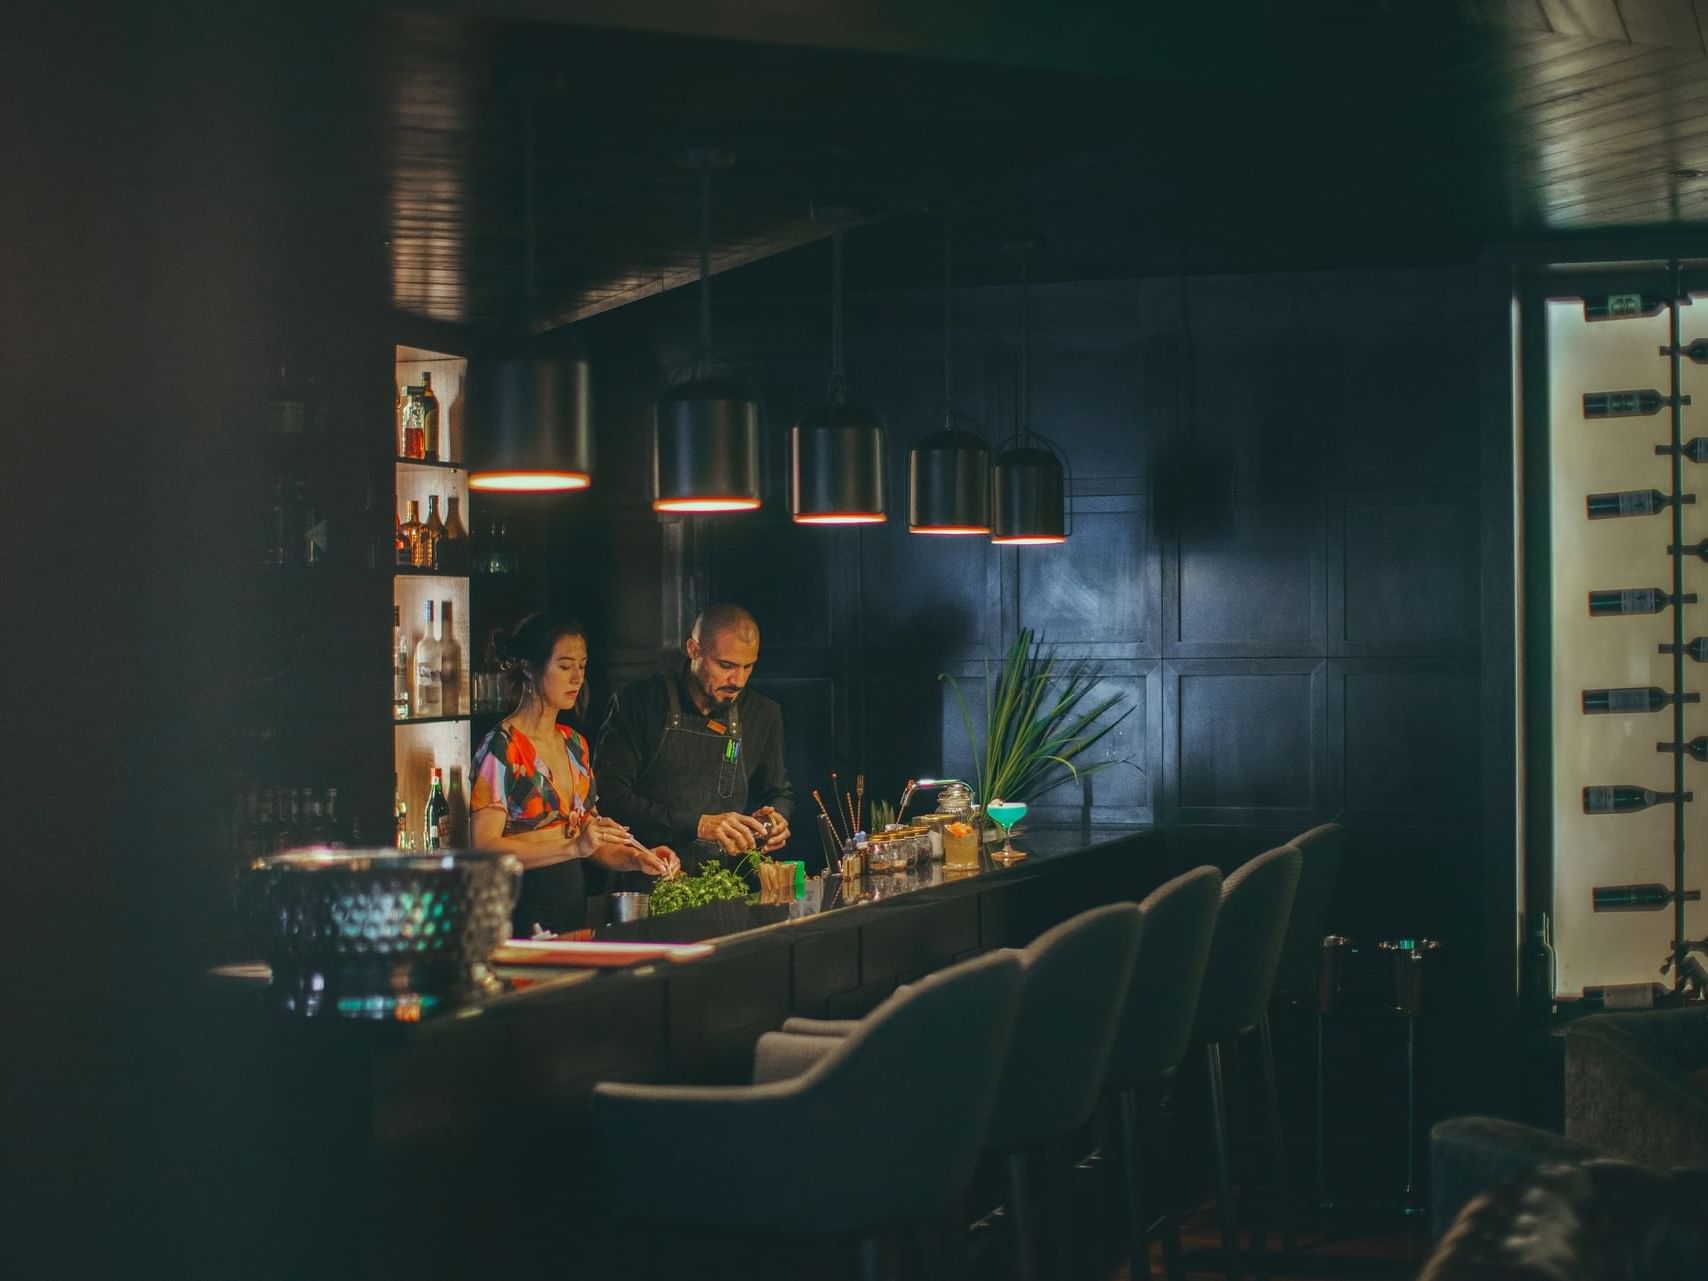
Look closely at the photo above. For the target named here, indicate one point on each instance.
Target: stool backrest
(1162, 1000)
(1301, 951)
(1257, 902)
(1074, 985)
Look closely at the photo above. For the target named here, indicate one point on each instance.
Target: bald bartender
(694, 760)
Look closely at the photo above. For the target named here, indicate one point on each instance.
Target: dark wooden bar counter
(394, 1148)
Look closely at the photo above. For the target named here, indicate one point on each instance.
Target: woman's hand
(660, 860)
(604, 831)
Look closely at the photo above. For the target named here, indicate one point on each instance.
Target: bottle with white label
(450, 664)
(427, 674)
(399, 665)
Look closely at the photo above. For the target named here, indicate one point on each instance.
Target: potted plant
(1038, 722)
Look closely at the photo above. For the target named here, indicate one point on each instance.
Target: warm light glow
(705, 504)
(840, 518)
(948, 529)
(529, 482)
(1031, 540)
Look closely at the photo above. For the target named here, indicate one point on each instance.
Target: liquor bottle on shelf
(1632, 502)
(399, 665)
(422, 548)
(430, 421)
(450, 663)
(1649, 897)
(1696, 650)
(427, 674)
(1627, 404)
(314, 537)
(454, 551)
(1623, 798)
(436, 818)
(1697, 747)
(1695, 449)
(508, 561)
(1633, 600)
(414, 435)
(1627, 306)
(286, 410)
(1696, 351)
(1633, 698)
(401, 555)
(435, 530)
(400, 817)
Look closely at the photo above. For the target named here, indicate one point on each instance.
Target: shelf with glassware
(431, 694)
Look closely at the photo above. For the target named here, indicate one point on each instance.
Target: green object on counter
(713, 883)
(800, 879)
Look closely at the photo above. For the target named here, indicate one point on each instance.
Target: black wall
(1280, 551)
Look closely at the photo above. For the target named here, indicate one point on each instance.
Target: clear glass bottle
(430, 438)
(427, 674)
(450, 663)
(399, 665)
(414, 433)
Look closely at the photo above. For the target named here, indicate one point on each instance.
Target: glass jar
(918, 844)
(934, 825)
(884, 853)
(955, 800)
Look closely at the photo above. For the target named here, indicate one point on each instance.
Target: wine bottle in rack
(1624, 798)
(1650, 897)
(1626, 306)
(1696, 352)
(1632, 502)
(1634, 600)
(1627, 404)
(1695, 449)
(1696, 650)
(1633, 698)
(1697, 747)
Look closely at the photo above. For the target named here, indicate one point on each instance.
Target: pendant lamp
(948, 470)
(705, 431)
(533, 418)
(530, 416)
(836, 451)
(1029, 476)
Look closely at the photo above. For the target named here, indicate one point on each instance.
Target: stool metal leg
(1224, 1162)
(1323, 1200)
(1138, 1220)
(1409, 1203)
(1277, 1148)
(871, 1258)
(1024, 1216)
(1161, 1146)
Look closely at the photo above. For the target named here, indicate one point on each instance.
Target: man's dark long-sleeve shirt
(633, 729)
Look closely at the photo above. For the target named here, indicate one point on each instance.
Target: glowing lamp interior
(840, 518)
(1031, 540)
(529, 482)
(705, 504)
(948, 529)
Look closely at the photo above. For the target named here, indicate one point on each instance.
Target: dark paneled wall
(1277, 557)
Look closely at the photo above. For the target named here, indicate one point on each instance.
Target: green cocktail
(1005, 814)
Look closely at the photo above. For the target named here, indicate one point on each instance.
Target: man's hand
(777, 825)
(734, 833)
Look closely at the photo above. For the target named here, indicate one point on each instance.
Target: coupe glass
(1005, 814)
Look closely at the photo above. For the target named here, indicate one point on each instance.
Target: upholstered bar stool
(815, 1153)
(1076, 978)
(1151, 1039)
(1239, 978)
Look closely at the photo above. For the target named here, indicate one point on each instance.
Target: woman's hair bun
(503, 646)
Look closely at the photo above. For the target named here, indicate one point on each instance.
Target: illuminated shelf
(428, 462)
(428, 720)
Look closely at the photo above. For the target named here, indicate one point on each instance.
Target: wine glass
(1005, 814)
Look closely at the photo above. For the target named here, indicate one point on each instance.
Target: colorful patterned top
(509, 772)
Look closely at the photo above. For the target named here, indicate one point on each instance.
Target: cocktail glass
(1005, 814)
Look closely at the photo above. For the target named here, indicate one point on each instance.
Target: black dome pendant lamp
(948, 470)
(705, 432)
(1029, 477)
(836, 451)
(530, 415)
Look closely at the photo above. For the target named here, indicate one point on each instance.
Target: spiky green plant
(1037, 722)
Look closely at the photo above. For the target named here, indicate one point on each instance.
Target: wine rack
(1608, 737)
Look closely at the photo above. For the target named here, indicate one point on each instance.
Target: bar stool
(1152, 1038)
(827, 1160)
(1239, 978)
(1076, 979)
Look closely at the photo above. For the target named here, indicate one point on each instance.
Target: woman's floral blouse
(509, 772)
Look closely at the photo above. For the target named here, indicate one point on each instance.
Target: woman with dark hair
(533, 793)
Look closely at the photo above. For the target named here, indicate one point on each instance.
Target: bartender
(694, 759)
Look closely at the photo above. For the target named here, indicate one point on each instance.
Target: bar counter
(458, 1142)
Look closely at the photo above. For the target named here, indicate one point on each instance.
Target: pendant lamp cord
(838, 392)
(706, 260)
(530, 266)
(1025, 415)
(948, 310)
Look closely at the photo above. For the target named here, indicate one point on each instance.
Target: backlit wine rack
(1601, 798)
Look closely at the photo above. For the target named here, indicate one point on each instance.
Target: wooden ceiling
(1255, 137)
